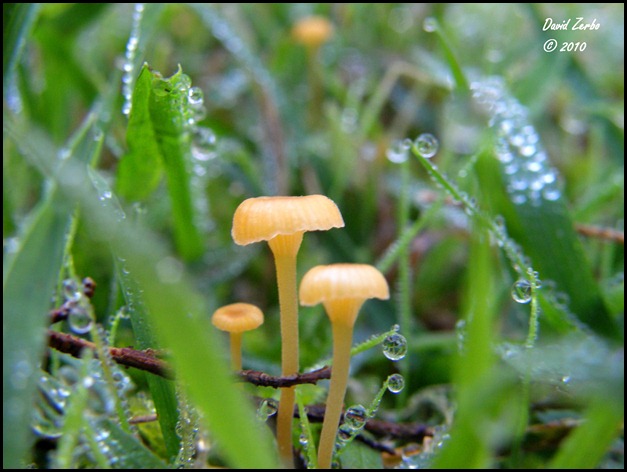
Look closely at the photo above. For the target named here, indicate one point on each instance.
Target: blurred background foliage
(289, 119)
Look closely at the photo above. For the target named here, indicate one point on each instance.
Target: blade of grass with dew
(29, 278)
(158, 135)
(480, 393)
(176, 311)
(310, 447)
(141, 169)
(74, 419)
(124, 450)
(537, 215)
(161, 390)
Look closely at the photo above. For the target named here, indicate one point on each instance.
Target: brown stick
(608, 234)
(149, 362)
(143, 360)
(261, 379)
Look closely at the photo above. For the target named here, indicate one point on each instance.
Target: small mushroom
(237, 318)
(282, 221)
(342, 289)
(312, 31)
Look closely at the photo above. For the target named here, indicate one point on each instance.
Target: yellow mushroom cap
(263, 218)
(237, 317)
(325, 283)
(312, 31)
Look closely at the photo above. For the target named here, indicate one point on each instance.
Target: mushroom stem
(342, 341)
(285, 248)
(236, 351)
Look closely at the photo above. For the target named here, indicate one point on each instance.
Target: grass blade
(29, 279)
(585, 447)
(536, 213)
(176, 311)
(158, 137)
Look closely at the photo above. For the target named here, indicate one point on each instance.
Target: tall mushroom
(235, 319)
(342, 289)
(282, 221)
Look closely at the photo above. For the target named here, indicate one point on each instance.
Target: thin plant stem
(404, 268)
(397, 248)
(108, 375)
(518, 261)
(310, 447)
(526, 380)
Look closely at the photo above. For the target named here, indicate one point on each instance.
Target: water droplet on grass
(79, 319)
(427, 145)
(521, 291)
(195, 96)
(203, 143)
(266, 409)
(395, 347)
(430, 24)
(355, 417)
(398, 152)
(395, 383)
(344, 433)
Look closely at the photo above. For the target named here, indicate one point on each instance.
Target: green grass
(142, 202)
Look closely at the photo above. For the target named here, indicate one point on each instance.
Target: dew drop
(461, 333)
(551, 194)
(518, 198)
(355, 417)
(183, 83)
(80, 320)
(398, 152)
(195, 96)
(521, 291)
(106, 195)
(344, 433)
(395, 347)
(395, 383)
(427, 145)
(430, 24)
(203, 143)
(266, 409)
(303, 439)
(534, 166)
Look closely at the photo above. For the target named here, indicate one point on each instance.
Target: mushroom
(342, 289)
(282, 222)
(312, 31)
(237, 318)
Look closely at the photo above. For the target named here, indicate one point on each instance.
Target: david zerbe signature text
(579, 24)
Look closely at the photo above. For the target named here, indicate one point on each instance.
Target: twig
(608, 234)
(261, 379)
(408, 431)
(143, 360)
(148, 361)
